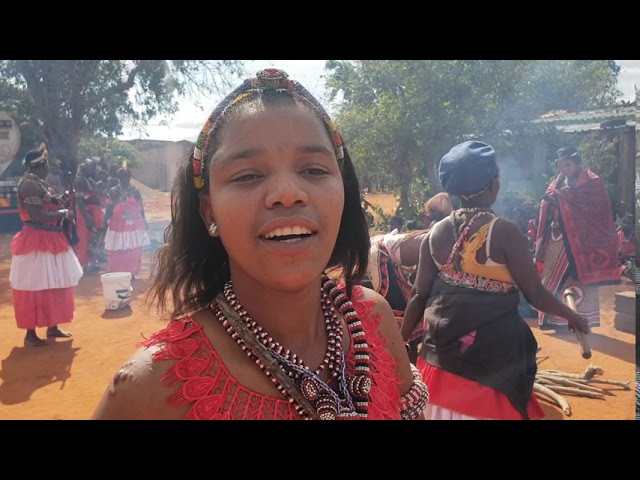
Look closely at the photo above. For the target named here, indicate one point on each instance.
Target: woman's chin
(294, 279)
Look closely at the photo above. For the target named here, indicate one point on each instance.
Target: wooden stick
(574, 391)
(558, 399)
(587, 374)
(582, 338)
(544, 381)
(571, 383)
(624, 385)
(554, 378)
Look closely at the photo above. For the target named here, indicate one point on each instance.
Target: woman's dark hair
(397, 221)
(32, 155)
(192, 267)
(38, 166)
(569, 152)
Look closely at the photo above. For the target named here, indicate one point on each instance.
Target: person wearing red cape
(576, 243)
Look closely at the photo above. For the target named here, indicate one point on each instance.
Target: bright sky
(187, 122)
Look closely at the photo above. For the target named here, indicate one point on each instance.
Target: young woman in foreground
(265, 207)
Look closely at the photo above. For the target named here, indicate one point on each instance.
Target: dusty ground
(66, 379)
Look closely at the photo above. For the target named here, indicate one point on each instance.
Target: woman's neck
(38, 174)
(572, 180)
(475, 205)
(293, 318)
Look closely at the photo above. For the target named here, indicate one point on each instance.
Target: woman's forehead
(258, 113)
(265, 125)
(565, 162)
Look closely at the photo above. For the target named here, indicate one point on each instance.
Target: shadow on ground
(28, 369)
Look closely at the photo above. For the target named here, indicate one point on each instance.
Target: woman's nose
(286, 190)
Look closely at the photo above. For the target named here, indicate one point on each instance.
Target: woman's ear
(206, 213)
(495, 186)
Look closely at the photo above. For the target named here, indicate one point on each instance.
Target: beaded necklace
(350, 398)
(42, 183)
(466, 215)
(49, 193)
(460, 230)
(474, 209)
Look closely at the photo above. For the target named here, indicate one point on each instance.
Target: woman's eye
(315, 171)
(246, 178)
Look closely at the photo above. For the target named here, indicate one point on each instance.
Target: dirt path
(66, 379)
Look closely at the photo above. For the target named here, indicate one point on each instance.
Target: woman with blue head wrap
(478, 355)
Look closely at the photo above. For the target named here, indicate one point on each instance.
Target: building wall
(160, 161)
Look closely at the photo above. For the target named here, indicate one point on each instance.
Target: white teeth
(284, 231)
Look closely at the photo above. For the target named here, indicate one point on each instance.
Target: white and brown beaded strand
(334, 333)
(358, 386)
(264, 338)
(327, 406)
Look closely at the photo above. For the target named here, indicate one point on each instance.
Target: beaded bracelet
(33, 200)
(413, 402)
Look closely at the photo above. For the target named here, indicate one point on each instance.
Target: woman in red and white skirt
(44, 268)
(126, 232)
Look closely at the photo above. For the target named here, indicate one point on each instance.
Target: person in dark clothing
(478, 355)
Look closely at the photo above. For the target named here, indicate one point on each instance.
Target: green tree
(72, 98)
(401, 116)
(111, 150)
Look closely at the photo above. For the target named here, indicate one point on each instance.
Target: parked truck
(9, 174)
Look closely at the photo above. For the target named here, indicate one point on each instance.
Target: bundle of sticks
(555, 383)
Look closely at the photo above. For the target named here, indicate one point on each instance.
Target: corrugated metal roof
(593, 116)
(587, 127)
(575, 122)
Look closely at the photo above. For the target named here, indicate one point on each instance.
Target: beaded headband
(267, 79)
(43, 156)
(574, 156)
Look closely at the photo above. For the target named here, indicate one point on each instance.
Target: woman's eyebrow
(241, 154)
(315, 149)
(256, 151)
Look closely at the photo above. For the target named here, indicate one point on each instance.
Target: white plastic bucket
(117, 289)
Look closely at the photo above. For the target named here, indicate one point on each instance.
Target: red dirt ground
(66, 379)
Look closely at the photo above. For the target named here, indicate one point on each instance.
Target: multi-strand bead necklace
(350, 397)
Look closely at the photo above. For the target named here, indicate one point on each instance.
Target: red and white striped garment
(44, 271)
(125, 237)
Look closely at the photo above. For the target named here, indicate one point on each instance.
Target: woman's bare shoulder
(29, 187)
(367, 293)
(440, 228)
(505, 227)
(380, 307)
(137, 390)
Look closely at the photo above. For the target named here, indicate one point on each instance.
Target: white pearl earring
(213, 228)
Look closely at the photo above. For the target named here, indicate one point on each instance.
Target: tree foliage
(399, 117)
(110, 151)
(69, 99)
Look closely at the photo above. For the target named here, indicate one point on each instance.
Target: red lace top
(203, 380)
